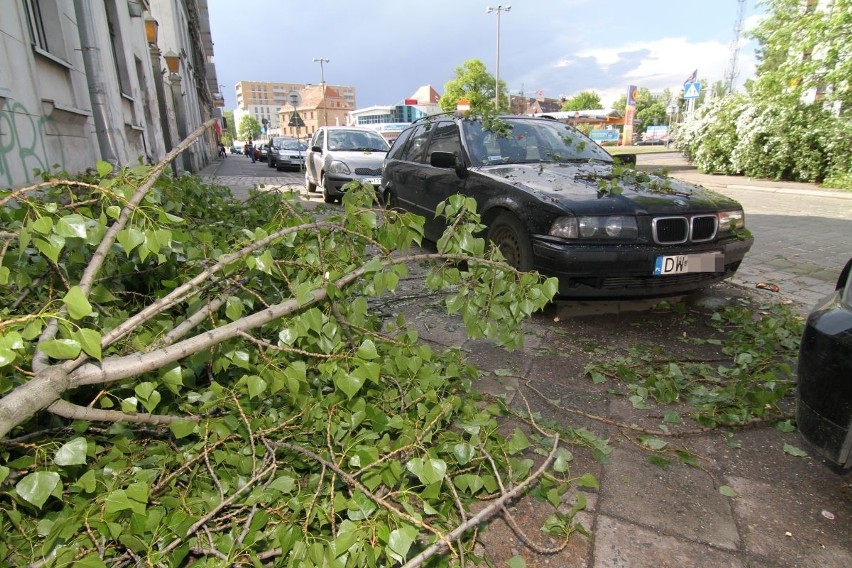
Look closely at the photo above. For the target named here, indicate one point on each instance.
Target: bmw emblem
(680, 202)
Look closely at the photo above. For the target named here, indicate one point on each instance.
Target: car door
(314, 162)
(406, 172)
(439, 184)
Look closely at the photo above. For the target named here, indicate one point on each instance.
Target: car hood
(359, 159)
(576, 187)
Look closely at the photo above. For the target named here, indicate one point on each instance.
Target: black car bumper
(627, 271)
(824, 390)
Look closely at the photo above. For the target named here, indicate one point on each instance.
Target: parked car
(263, 152)
(285, 152)
(824, 390)
(339, 154)
(236, 150)
(551, 202)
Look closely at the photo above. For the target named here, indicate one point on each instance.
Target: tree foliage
(586, 100)
(779, 130)
(805, 48)
(474, 84)
(650, 109)
(186, 378)
(249, 128)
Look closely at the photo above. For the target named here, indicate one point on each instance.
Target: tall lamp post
(322, 78)
(490, 10)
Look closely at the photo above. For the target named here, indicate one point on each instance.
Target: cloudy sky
(386, 49)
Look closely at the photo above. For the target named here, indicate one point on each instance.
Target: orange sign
(463, 105)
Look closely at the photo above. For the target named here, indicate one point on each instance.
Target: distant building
(317, 108)
(531, 106)
(597, 118)
(264, 100)
(390, 120)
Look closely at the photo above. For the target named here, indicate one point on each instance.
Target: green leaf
(104, 168)
(72, 452)
(90, 341)
(400, 542)
(42, 225)
(786, 426)
(588, 480)
(518, 442)
(71, 226)
(349, 383)
(4, 275)
(114, 211)
(463, 453)
(129, 239)
(60, 348)
(7, 357)
(256, 386)
(182, 429)
(367, 350)
(37, 487)
(77, 304)
(728, 491)
(234, 308)
(428, 471)
(794, 451)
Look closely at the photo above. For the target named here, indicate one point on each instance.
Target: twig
(486, 513)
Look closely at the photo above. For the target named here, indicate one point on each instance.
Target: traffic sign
(691, 90)
(295, 98)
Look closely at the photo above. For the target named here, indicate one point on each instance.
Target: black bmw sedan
(824, 391)
(556, 202)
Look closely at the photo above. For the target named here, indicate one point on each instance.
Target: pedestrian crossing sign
(691, 90)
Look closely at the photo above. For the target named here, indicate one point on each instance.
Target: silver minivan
(339, 154)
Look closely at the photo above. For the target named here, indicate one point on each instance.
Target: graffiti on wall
(23, 148)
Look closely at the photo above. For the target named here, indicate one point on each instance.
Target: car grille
(368, 171)
(677, 230)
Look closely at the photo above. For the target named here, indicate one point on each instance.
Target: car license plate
(684, 263)
(375, 182)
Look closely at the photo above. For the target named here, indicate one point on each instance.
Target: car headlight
(338, 167)
(613, 227)
(730, 220)
(564, 227)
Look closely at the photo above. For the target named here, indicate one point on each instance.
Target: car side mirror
(625, 159)
(316, 149)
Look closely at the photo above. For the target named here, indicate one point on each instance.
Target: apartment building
(266, 100)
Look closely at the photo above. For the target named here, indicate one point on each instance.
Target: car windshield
(518, 140)
(292, 145)
(356, 141)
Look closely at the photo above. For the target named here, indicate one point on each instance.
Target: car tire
(325, 195)
(269, 163)
(511, 238)
(312, 187)
(390, 201)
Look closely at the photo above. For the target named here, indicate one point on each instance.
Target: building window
(45, 28)
(119, 58)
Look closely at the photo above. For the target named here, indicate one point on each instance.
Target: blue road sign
(691, 90)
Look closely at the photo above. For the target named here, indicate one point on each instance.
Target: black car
(556, 202)
(824, 391)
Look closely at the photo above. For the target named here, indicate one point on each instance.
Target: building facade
(267, 100)
(83, 81)
(390, 120)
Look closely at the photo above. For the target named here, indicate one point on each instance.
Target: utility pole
(320, 60)
(732, 72)
(490, 10)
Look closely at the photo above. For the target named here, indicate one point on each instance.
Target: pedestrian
(222, 153)
(250, 150)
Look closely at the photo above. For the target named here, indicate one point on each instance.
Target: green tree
(474, 84)
(230, 126)
(806, 48)
(650, 109)
(249, 128)
(187, 379)
(586, 100)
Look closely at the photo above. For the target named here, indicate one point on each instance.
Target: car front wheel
(325, 195)
(511, 239)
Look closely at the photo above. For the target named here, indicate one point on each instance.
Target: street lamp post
(489, 10)
(322, 78)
